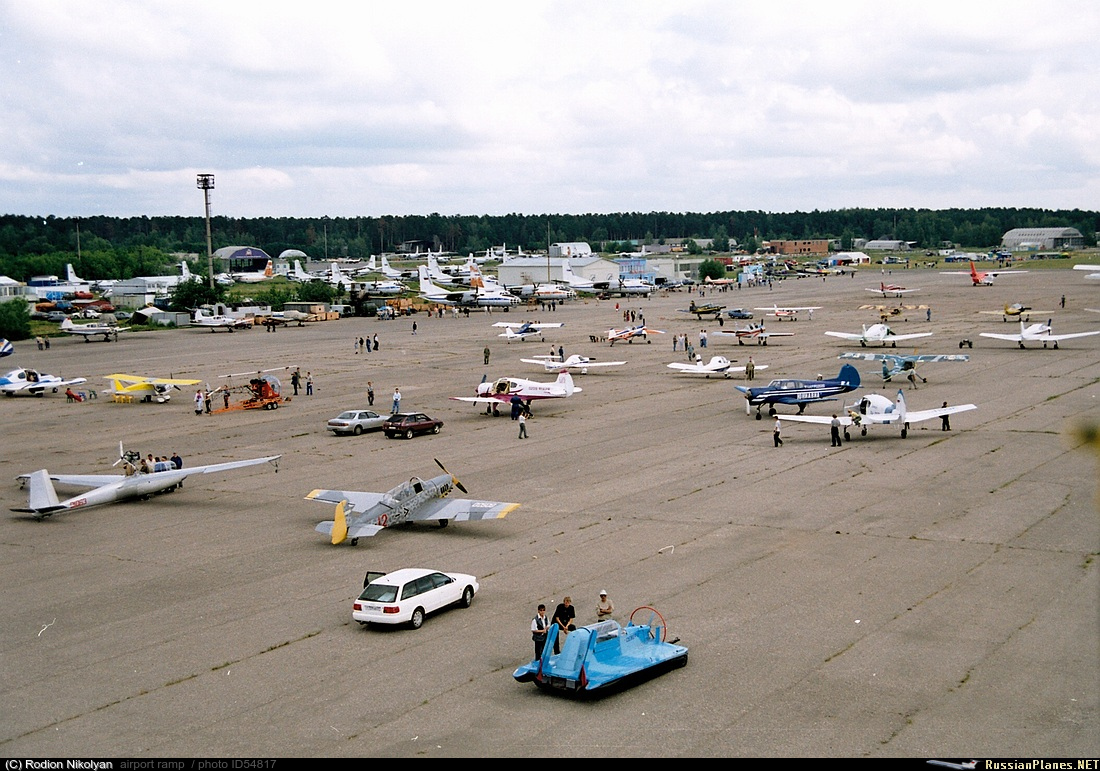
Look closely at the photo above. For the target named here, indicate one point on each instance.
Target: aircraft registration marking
(79, 502)
(808, 394)
(482, 505)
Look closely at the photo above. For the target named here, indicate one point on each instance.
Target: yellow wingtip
(508, 510)
(313, 495)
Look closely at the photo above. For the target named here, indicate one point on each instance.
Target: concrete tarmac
(934, 596)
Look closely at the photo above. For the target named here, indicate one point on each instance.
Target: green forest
(123, 247)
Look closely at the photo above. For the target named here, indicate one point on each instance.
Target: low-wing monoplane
(891, 289)
(219, 321)
(1016, 311)
(718, 365)
(703, 309)
(799, 392)
(1037, 333)
(88, 331)
(875, 409)
(629, 333)
(892, 364)
(146, 389)
(878, 333)
(29, 381)
(757, 332)
(790, 312)
(980, 278)
(525, 330)
(509, 389)
(573, 362)
(361, 514)
(138, 481)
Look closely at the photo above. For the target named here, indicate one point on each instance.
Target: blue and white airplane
(6, 348)
(893, 364)
(29, 381)
(525, 330)
(799, 392)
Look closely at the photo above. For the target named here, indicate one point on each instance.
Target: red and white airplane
(504, 390)
(894, 289)
(630, 333)
(755, 332)
(979, 278)
(791, 312)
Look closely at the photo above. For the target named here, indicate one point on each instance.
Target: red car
(408, 424)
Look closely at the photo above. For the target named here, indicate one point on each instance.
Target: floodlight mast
(206, 184)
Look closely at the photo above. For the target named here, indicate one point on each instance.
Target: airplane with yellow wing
(146, 389)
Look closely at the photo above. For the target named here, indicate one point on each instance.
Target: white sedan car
(407, 596)
(356, 422)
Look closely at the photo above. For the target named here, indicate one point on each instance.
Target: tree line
(124, 247)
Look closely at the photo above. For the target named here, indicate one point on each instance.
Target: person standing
(522, 426)
(356, 344)
(750, 370)
(376, 341)
(604, 608)
(1063, 302)
(775, 434)
(370, 393)
(539, 624)
(945, 420)
(198, 402)
(561, 353)
(225, 398)
(563, 617)
(309, 384)
(206, 397)
(296, 379)
(834, 430)
(486, 352)
(177, 461)
(414, 327)
(396, 401)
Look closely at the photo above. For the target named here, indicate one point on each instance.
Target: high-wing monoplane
(146, 389)
(138, 481)
(892, 364)
(790, 312)
(88, 331)
(703, 309)
(361, 514)
(478, 295)
(1037, 333)
(757, 332)
(219, 321)
(878, 333)
(980, 278)
(718, 365)
(875, 409)
(507, 389)
(799, 392)
(573, 362)
(525, 330)
(629, 333)
(891, 289)
(29, 381)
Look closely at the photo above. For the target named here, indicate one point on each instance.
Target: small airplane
(894, 289)
(629, 333)
(362, 514)
(575, 282)
(790, 312)
(718, 365)
(507, 389)
(571, 363)
(88, 331)
(255, 277)
(799, 392)
(6, 348)
(43, 500)
(706, 309)
(893, 364)
(877, 409)
(980, 278)
(29, 381)
(525, 330)
(755, 332)
(219, 321)
(878, 333)
(147, 389)
(1037, 333)
(1016, 311)
(1094, 270)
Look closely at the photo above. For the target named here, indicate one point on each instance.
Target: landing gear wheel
(653, 617)
(444, 522)
(771, 412)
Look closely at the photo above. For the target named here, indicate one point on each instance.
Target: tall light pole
(206, 184)
(325, 220)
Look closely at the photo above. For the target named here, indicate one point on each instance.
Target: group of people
(365, 344)
(296, 380)
(150, 464)
(564, 616)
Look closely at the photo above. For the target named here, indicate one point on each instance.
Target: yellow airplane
(146, 389)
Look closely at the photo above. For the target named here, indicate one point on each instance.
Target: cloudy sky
(546, 106)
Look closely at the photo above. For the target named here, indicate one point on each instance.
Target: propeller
(454, 479)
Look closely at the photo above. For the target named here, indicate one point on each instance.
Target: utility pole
(206, 184)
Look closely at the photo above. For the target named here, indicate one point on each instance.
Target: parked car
(738, 313)
(407, 596)
(356, 422)
(407, 424)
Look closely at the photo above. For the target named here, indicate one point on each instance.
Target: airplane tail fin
(70, 274)
(901, 409)
(185, 271)
(340, 524)
(849, 374)
(269, 271)
(67, 323)
(42, 500)
(566, 380)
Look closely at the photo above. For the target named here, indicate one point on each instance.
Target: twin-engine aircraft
(1037, 333)
(88, 331)
(29, 381)
(362, 514)
(573, 362)
(630, 333)
(525, 330)
(146, 389)
(799, 392)
(718, 365)
(878, 333)
(479, 295)
(219, 321)
(892, 364)
(876, 409)
(507, 389)
(139, 481)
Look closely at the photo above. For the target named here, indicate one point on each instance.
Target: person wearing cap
(605, 607)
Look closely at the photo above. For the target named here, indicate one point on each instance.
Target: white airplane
(545, 292)
(43, 500)
(790, 312)
(573, 281)
(300, 274)
(88, 331)
(756, 332)
(101, 285)
(631, 286)
(219, 321)
(362, 514)
(894, 289)
(629, 333)
(479, 296)
(1037, 333)
(574, 362)
(146, 389)
(1094, 270)
(389, 272)
(876, 409)
(878, 333)
(525, 330)
(29, 381)
(718, 365)
(388, 287)
(979, 278)
(504, 390)
(255, 277)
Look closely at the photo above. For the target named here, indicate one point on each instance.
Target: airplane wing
(916, 416)
(845, 335)
(599, 364)
(83, 480)
(360, 501)
(233, 464)
(1054, 338)
(823, 420)
(476, 399)
(461, 510)
(692, 368)
(354, 531)
(139, 380)
(999, 336)
(912, 336)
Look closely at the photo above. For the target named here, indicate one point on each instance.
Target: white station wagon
(406, 596)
